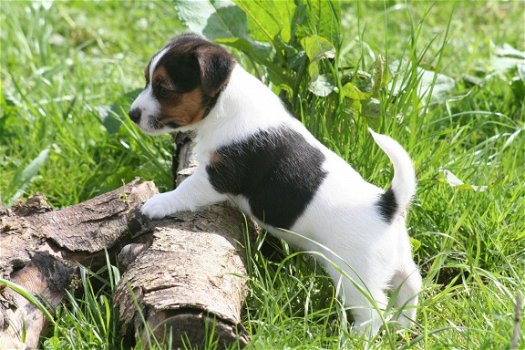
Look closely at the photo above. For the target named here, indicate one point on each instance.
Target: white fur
(404, 181)
(342, 216)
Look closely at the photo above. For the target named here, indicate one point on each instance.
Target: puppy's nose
(134, 114)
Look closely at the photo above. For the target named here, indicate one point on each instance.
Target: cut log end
(46, 277)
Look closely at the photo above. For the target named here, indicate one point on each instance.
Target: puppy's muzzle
(134, 115)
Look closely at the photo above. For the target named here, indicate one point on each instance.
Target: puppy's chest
(276, 170)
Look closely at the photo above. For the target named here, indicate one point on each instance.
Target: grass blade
(24, 177)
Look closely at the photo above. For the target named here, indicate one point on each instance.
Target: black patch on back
(276, 170)
(387, 205)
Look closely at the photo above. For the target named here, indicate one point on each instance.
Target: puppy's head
(183, 81)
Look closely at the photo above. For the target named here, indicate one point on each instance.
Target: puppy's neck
(243, 107)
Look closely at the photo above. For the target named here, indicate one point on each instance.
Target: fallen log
(192, 278)
(40, 249)
(182, 276)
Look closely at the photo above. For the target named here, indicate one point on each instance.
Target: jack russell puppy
(252, 152)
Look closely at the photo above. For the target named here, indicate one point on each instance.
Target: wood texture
(191, 278)
(186, 273)
(40, 249)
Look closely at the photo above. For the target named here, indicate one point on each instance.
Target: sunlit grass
(64, 68)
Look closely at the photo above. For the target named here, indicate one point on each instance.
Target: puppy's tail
(396, 199)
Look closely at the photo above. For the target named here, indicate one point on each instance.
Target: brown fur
(180, 108)
(160, 76)
(188, 80)
(185, 109)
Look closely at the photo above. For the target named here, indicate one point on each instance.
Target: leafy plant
(294, 46)
(63, 65)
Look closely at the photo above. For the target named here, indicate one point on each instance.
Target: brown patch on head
(161, 78)
(188, 79)
(178, 107)
(183, 109)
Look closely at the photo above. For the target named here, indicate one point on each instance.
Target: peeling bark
(191, 278)
(40, 250)
(185, 273)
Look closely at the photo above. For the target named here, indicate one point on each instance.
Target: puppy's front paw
(158, 206)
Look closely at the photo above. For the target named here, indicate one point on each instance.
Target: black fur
(183, 69)
(216, 65)
(387, 205)
(276, 170)
(192, 60)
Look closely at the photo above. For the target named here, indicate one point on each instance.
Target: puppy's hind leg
(366, 313)
(406, 286)
(364, 299)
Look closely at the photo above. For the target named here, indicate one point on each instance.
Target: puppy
(252, 152)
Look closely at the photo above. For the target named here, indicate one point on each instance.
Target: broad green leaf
(225, 23)
(24, 177)
(268, 19)
(441, 88)
(371, 109)
(351, 91)
(313, 70)
(108, 119)
(356, 106)
(259, 51)
(321, 86)
(471, 80)
(110, 115)
(506, 57)
(213, 19)
(363, 81)
(317, 48)
(382, 75)
(318, 17)
(416, 244)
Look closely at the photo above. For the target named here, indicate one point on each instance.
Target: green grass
(63, 68)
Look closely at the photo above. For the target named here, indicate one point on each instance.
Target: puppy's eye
(163, 92)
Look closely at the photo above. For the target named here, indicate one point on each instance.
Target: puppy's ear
(215, 65)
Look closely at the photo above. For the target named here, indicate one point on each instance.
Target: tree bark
(191, 281)
(40, 249)
(182, 276)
